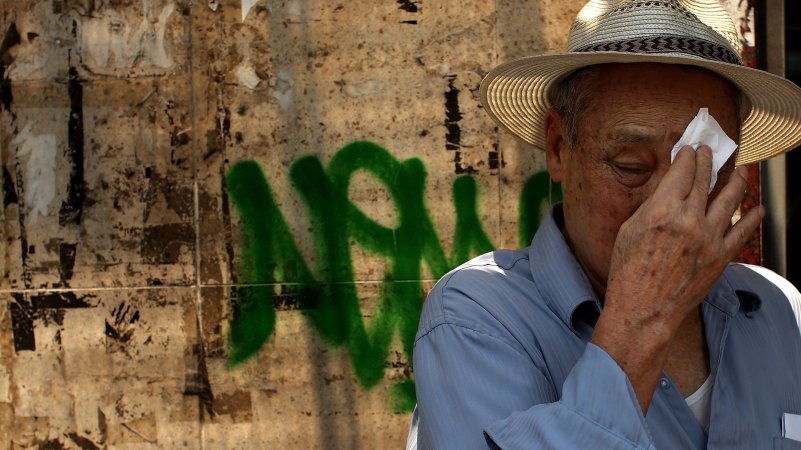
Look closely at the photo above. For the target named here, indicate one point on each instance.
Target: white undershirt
(700, 402)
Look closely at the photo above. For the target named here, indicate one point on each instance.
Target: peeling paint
(33, 50)
(246, 75)
(247, 5)
(295, 9)
(282, 86)
(111, 41)
(25, 310)
(5, 381)
(367, 87)
(30, 58)
(40, 173)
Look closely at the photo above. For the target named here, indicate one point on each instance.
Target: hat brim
(515, 95)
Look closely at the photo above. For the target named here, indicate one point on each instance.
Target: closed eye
(630, 175)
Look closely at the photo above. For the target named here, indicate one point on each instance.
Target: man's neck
(688, 355)
(598, 285)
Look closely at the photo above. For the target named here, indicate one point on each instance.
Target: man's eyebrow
(635, 135)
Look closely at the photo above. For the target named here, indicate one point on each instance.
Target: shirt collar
(559, 277)
(731, 300)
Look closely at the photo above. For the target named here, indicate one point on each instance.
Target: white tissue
(705, 130)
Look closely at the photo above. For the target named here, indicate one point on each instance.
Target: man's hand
(666, 258)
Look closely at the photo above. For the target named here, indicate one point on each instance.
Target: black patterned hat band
(668, 44)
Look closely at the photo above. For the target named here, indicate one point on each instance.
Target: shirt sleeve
(598, 409)
(477, 389)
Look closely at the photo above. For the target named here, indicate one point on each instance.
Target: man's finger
(738, 235)
(678, 181)
(728, 200)
(699, 194)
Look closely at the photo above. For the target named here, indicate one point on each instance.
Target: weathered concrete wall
(195, 252)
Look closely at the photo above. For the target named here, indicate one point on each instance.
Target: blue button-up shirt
(502, 359)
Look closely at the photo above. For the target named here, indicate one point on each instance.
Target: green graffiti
(403, 397)
(268, 253)
(329, 300)
(470, 237)
(538, 193)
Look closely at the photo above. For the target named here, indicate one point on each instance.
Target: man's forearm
(640, 349)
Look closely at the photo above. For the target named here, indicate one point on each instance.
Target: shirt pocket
(781, 443)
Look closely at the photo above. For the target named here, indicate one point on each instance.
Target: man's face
(638, 112)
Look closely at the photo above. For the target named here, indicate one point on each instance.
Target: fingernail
(705, 150)
(742, 171)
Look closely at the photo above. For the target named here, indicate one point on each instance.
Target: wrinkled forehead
(655, 80)
(613, 71)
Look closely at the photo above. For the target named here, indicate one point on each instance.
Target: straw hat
(691, 32)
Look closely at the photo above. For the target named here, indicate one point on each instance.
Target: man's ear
(556, 141)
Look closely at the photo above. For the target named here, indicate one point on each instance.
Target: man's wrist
(640, 349)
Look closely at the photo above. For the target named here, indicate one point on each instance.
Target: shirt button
(664, 383)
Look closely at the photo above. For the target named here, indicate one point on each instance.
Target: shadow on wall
(331, 304)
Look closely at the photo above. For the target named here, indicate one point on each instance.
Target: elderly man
(624, 324)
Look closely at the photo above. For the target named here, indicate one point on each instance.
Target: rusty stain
(270, 392)
(82, 442)
(237, 405)
(164, 243)
(333, 378)
(197, 379)
(102, 425)
(52, 444)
